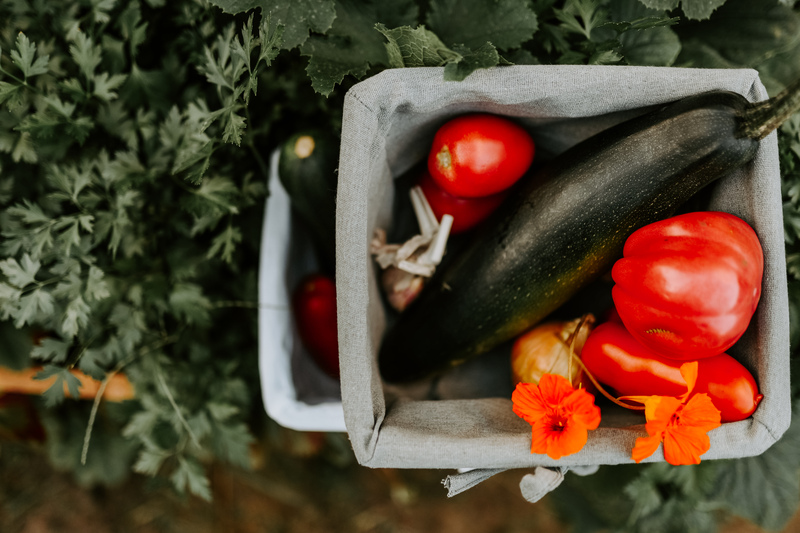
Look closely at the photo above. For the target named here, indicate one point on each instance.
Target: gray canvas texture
(388, 124)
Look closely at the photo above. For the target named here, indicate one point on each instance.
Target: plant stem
(762, 118)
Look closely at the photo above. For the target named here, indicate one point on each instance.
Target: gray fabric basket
(388, 123)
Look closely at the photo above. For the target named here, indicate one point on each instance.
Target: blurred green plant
(133, 145)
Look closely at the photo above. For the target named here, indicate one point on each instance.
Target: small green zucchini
(569, 224)
(307, 170)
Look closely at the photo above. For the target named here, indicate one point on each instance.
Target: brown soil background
(300, 482)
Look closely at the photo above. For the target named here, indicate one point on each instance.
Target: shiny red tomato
(618, 360)
(314, 309)
(688, 286)
(466, 212)
(479, 155)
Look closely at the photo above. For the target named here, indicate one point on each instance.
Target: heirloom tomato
(479, 155)
(688, 286)
(618, 360)
(314, 309)
(466, 212)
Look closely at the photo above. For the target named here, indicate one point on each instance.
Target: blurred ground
(300, 483)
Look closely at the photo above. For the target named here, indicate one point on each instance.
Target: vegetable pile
(133, 143)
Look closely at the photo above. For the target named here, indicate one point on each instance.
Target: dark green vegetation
(134, 142)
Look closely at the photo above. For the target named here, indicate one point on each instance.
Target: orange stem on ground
(118, 389)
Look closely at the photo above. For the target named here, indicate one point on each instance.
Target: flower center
(558, 424)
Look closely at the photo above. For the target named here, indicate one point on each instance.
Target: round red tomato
(314, 308)
(688, 286)
(466, 212)
(621, 362)
(479, 155)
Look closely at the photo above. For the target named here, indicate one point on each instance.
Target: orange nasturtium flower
(681, 425)
(560, 416)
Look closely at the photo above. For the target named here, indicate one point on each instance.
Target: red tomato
(479, 155)
(618, 360)
(314, 307)
(688, 286)
(466, 212)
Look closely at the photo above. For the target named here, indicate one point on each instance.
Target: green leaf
(105, 85)
(33, 307)
(225, 243)
(51, 350)
(20, 274)
(190, 476)
(472, 23)
(188, 303)
(766, 488)
(12, 95)
(96, 287)
(54, 395)
(351, 46)
(484, 57)
(581, 17)
(746, 33)
(150, 460)
(86, 54)
(298, 16)
(415, 47)
(234, 128)
(222, 411)
(76, 317)
(24, 56)
(693, 9)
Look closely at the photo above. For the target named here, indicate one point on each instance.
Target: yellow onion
(545, 349)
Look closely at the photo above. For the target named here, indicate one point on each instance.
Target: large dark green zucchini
(569, 224)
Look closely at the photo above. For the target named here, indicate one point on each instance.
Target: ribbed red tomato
(466, 212)
(688, 286)
(314, 310)
(618, 360)
(479, 155)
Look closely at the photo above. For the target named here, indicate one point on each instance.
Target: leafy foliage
(133, 144)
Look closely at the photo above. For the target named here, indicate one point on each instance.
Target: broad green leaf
(645, 37)
(746, 33)
(24, 56)
(20, 273)
(764, 488)
(485, 56)
(415, 47)
(352, 45)
(693, 9)
(76, 317)
(299, 17)
(504, 23)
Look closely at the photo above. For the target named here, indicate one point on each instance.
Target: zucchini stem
(762, 118)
